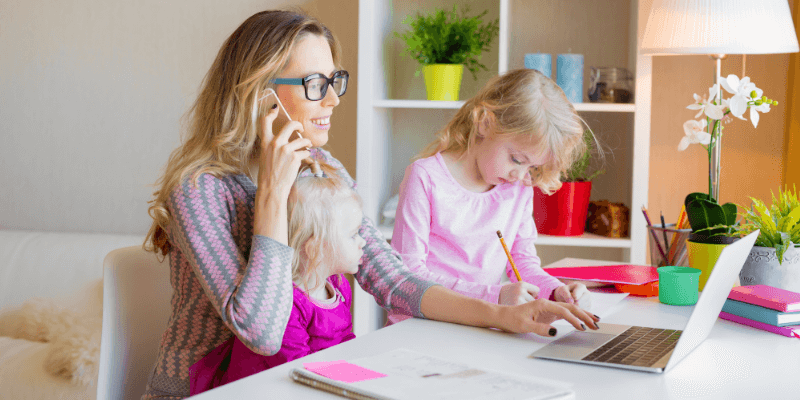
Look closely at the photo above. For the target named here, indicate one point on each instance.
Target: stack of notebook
(764, 307)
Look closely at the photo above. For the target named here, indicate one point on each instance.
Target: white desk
(735, 362)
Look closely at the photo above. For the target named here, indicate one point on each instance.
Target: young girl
(324, 219)
(475, 179)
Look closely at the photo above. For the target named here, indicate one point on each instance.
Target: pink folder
(790, 331)
(628, 274)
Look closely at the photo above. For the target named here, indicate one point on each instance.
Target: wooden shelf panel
(587, 107)
(585, 240)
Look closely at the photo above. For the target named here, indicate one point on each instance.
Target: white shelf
(589, 107)
(585, 240)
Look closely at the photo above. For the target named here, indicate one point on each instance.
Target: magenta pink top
(312, 326)
(447, 234)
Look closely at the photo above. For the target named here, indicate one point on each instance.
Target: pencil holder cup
(678, 286)
(668, 245)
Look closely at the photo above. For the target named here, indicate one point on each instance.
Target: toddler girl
(324, 218)
(475, 179)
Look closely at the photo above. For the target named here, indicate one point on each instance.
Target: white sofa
(46, 265)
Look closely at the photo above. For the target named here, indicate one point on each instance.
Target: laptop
(655, 349)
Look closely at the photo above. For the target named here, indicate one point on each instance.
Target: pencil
(666, 241)
(510, 260)
(653, 233)
(678, 225)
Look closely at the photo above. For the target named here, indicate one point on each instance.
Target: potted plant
(712, 223)
(775, 259)
(444, 43)
(564, 212)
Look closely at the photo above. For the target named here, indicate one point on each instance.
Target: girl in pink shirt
(476, 178)
(324, 219)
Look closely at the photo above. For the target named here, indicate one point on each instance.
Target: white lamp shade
(719, 27)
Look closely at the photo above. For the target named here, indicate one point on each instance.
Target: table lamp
(718, 28)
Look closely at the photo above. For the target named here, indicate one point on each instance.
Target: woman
(221, 210)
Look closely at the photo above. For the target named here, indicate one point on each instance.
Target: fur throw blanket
(71, 327)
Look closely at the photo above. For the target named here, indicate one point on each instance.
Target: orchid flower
(708, 107)
(695, 133)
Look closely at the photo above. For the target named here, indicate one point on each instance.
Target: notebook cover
(767, 296)
(758, 313)
(790, 331)
(627, 274)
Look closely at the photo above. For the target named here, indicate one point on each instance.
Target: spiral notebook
(402, 374)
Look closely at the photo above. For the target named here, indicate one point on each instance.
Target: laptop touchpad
(590, 340)
(574, 346)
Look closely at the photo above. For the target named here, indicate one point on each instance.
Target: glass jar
(610, 85)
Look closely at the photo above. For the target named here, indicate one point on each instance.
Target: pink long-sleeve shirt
(447, 234)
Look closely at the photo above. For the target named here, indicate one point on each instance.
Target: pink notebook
(628, 274)
(790, 331)
(767, 296)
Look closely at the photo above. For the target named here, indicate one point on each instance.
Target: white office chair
(136, 308)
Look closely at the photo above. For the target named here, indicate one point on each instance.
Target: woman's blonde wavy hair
(223, 122)
(520, 102)
(315, 206)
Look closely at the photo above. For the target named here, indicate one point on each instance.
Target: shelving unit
(395, 122)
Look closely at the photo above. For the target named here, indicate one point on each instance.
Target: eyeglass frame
(304, 82)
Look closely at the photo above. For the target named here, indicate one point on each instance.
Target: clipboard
(410, 375)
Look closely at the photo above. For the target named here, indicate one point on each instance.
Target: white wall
(91, 98)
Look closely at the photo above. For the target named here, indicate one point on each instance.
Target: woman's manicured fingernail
(274, 106)
(552, 331)
(596, 316)
(583, 326)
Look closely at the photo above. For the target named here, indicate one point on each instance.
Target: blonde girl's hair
(520, 102)
(315, 206)
(223, 123)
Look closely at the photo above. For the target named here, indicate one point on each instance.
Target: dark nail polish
(583, 326)
(274, 106)
(596, 316)
(552, 331)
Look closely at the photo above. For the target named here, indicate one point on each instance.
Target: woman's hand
(512, 294)
(536, 316)
(278, 164)
(572, 293)
(279, 160)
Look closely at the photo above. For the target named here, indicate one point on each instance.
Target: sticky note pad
(342, 371)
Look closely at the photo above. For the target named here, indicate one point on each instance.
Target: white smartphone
(271, 92)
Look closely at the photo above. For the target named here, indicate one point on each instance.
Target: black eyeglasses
(316, 85)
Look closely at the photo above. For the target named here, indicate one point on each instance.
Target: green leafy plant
(709, 218)
(778, 223)
(578, 172)
(449, 38)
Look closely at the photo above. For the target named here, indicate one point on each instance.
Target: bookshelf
(395, 121)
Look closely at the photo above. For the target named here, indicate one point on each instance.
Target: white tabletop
(735, 362)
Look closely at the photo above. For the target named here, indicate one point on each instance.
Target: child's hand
(516, 293)
(572, 293)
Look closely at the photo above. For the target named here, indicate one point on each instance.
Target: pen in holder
(668, 245)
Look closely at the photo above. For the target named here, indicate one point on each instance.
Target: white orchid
(711, 110)
(717, 109)
(695, 133)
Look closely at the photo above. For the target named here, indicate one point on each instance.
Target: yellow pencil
(510, 260)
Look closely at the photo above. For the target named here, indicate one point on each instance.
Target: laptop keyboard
(637, 346)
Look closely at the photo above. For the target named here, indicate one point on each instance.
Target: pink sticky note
(342, 371)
